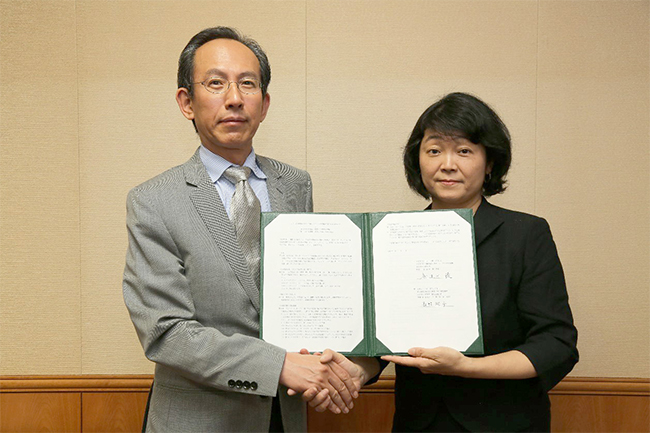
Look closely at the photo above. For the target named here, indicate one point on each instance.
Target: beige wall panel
(374, 66)
(131, 129)
(592, 173)
(87, 112)
(40, 331)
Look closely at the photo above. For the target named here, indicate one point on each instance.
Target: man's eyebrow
(219, 72)
(214, 71)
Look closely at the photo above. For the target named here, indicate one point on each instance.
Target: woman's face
(453, 170)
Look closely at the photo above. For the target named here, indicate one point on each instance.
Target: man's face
(226, 122)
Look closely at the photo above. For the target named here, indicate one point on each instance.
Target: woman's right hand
(439, 360)
(512, 364)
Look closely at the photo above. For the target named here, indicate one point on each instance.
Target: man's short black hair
(186, 60)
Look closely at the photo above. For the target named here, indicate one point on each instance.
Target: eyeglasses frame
(228, 87)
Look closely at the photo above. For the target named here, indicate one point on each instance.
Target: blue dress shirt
(216, 165)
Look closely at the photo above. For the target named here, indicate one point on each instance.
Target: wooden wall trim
(602, 386)
(386, 384)
(569, 386)
(76, 383)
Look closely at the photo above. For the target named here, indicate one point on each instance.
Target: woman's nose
(448, 161)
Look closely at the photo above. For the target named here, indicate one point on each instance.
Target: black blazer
(524, 306)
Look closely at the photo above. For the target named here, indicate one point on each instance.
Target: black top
(524, 306)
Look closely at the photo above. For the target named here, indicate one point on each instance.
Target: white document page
(312, 283)
(425, 288)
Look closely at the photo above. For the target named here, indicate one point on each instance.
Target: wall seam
(76, 55)
(306, 79)
(535, 210)
(81, 394)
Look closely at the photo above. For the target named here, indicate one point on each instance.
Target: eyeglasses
(217, 85)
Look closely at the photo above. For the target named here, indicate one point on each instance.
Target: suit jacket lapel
(208, 204)
(275, 186)
(486, 221)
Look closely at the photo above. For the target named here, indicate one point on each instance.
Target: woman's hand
(440, 360)
(450, 362)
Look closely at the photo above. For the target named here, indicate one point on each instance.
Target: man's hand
(441, 360)
(320, 385)
(358, 370)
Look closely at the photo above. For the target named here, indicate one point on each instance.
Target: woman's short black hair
(462, 115)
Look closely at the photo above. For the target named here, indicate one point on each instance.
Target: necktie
(245, 215)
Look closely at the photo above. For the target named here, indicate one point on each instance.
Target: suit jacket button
(247, 384)
(239, 384)
(231, 383)
(253, 386)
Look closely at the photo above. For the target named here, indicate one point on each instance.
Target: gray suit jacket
(195, 306)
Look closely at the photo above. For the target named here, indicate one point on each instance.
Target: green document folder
(412, 274)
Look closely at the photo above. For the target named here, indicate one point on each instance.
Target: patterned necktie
(245, 215)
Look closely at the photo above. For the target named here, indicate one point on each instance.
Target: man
(191, 276)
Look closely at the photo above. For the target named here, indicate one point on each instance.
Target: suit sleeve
(543, 303)
(158, 296)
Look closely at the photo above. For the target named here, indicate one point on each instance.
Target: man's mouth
(232, 120)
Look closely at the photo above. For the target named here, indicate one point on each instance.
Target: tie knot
(237, 174)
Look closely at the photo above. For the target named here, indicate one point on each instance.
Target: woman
(458, 154)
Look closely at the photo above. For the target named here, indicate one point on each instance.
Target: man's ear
(265, 106)
(185, 103)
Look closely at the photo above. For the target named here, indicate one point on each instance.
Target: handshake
(331, 381)
(328, 380)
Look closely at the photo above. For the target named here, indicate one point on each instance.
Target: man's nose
(233, 96)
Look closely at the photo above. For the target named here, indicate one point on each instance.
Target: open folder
(369, 284)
